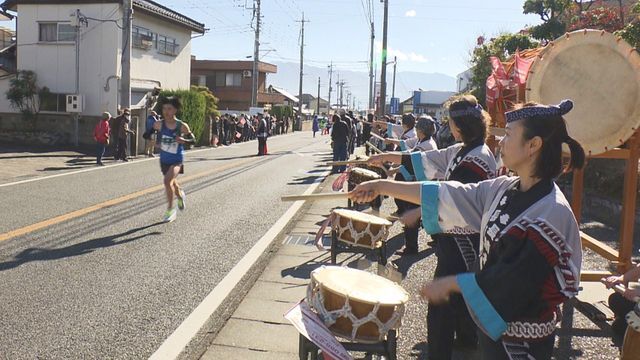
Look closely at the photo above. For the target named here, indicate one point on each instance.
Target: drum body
(360, 229)
(355, 304)
(631, 344)
(359, 175)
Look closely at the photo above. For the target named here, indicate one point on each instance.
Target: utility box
(74, 103)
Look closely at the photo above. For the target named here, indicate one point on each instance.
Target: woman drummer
(530, 242)
(457, 249)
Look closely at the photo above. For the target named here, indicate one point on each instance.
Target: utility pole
(125, 80)
(371, 76)
(383, 73)
(256, 56)
(318, 99)
(76, 126)
(329, 97)
(301, 64)
(393, 87)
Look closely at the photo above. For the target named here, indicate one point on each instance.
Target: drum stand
(387, 348)
(339, 247)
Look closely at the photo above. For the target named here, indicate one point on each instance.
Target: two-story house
(46, 42)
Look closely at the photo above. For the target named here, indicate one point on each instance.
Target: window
(56, 32)
(234, 79)
(167, 45)
(141, 38)
(221, 79)
(53, 102)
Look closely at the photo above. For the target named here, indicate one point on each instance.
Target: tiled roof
(147, 6)
(155, 8)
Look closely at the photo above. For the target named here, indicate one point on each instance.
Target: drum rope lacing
(358, 235)
(315, 298)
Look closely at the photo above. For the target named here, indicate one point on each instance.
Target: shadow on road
(42, 254)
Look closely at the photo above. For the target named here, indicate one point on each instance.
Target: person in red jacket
(101, 135)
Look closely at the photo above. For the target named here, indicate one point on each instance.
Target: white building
(161, 54)
(463, 81)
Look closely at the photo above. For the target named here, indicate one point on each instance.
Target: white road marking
(173, 346)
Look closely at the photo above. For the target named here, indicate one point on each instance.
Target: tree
(631, 31)
(550, 12)
(24, 95)
(212, 101)
(503, 47)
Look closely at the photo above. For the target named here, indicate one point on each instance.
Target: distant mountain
(357, 81)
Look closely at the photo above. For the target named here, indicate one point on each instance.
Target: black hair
(472, 127)
(409, 120)
(173, 101)
(552, 130)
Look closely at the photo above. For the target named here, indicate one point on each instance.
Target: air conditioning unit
(75, 103)
(246, 73)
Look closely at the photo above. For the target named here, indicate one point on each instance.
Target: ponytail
(577, 154)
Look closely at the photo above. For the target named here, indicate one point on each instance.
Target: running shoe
(181, 199)
(170, 215)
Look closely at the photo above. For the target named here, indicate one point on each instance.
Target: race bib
(168, 144)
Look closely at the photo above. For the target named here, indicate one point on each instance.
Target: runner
(172, 135)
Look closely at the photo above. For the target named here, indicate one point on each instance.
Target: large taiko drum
(601, 74)
(631, 344)
(355, 304)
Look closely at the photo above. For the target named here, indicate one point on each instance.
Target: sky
(432, 36)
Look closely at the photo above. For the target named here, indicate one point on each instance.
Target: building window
(233, 79)
(142, 38)
(53, 102)
(56, 32)
(167, 45)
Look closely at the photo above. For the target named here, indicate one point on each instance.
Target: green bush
(281, 111)
(194, 108)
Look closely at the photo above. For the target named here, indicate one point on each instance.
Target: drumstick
(324, 196)
(377, 136)
(374, 148)
(349, 162)
(620, 289)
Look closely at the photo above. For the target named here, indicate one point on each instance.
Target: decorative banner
(522, 67)
(310, 326)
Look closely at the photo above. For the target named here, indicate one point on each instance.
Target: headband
(541, 110)
(475, 111)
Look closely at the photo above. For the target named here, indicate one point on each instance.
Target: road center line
(81, 212)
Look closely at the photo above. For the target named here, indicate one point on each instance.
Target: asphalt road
(113, 283)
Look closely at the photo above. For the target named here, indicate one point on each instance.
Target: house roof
(306, 98)
(237, 65)
(145, 6)
(434, 97)
(285, 93)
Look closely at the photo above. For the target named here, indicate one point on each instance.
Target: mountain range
(357, 82)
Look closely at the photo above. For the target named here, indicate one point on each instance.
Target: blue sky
(426, 35)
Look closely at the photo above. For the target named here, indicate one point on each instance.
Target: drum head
(359, 216)
(366, 173)
(360, 285)
(601, 74)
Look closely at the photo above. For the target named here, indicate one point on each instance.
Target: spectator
(315, 125)
(101, 135)
(150, 134)
(340, 138)
(122, 152)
